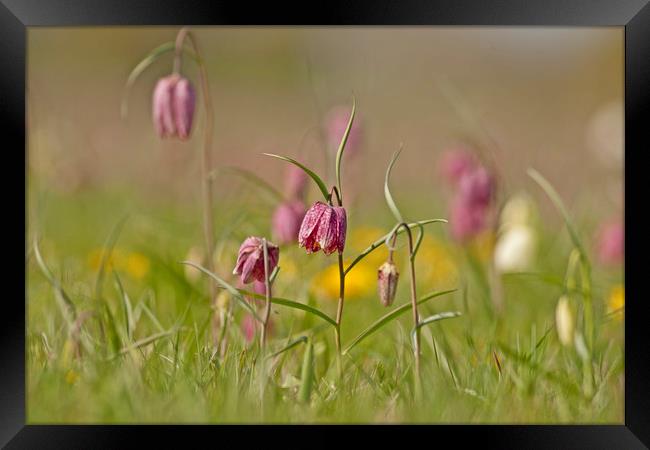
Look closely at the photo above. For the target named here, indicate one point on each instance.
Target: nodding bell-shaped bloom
(387, 277)
(470, 207)
(323, 227)
(250, 260)
(173, 107)
(564, 321)
(287, 219)
(515, 249)
(336, 123)
(296, 182)
(611, 243)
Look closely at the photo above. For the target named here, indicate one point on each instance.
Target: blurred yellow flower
(360, 282)
(482, 246)
(135, 264)
(360, 239)
(435, 264)
(288, 269)
(71, 377)
(616, 301)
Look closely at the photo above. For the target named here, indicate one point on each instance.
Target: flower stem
(414, 303)
(267, 285)
(206, 165)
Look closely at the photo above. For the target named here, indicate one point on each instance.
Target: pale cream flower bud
(564, 321)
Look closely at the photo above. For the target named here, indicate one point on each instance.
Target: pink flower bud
(387, 277)
(456, 163)
(324, 227)
(287, 219)
(611, 243)
(336, 123)
(250, 260)
(173, 107)
(296, 182)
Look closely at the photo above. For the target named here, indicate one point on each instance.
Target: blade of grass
(128, 310)
(234, 291)
(289, 346)
(106, 254)
(319, 182)
(387, 318)
(307, 373)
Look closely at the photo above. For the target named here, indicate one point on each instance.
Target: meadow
(519, 289)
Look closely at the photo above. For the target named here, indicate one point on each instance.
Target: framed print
(406, 215)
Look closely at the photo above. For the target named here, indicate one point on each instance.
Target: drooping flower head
(611, 243)
(250, 260)
(470, 208)
(387, 277)
(336, 123)
(323, 227)
(287, 219)
(173, 107)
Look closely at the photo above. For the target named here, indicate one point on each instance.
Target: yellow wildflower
(482, 246)
(137, 265)
(360, 282)
(616, 301)
(71, 377)
(435, 264)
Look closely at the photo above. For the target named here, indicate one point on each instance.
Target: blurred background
(548, 98)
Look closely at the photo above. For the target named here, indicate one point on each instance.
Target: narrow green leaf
(251, 177)
(106, 254)
(307, 373)
(68, 310)
(387, 318)
(432, 319)
(228, 287)
(319, 182)
(559, 204)
(382, 240)
(289, 346)
(145, 341)
(344, 140)
(128, 310)
(389, 197)
(291, 304)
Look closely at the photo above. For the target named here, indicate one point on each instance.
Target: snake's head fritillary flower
(564, 321)
(287, 219)
(611, 243)
(173, 107)
(296, 182)
(456, 163)
(336, 123)
(323, 227)
(466, 219)
(515, 249)
(387, 277)
(250, 260)
(477, 186)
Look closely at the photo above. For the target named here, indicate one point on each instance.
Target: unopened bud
(387, 277)
(564, 321)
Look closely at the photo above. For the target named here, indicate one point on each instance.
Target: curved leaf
(234, 291)
(344, 140)
(385, 319)
(316, 178)
(389, 197)
(291, 304)
(432, 319)
(289, 346)
(382, 240)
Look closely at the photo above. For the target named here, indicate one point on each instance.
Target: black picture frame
(17, 15)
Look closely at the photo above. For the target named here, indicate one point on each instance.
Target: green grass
(145, 341)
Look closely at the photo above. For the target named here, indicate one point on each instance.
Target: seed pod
(387, 277)
(564, 321)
